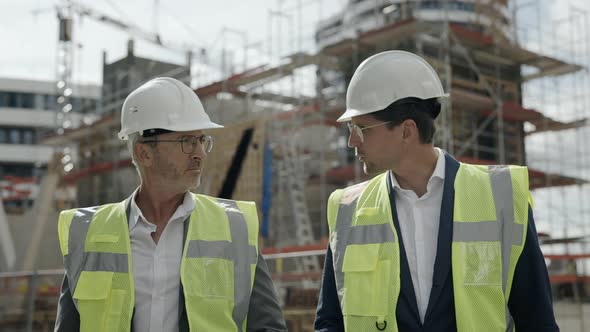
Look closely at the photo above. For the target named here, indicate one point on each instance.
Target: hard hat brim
(351, 113)
(181, 127)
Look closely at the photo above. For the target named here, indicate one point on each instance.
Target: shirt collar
(439, 171)
(184, 210)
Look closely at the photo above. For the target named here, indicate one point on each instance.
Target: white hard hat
(387, 77)
(163, 103)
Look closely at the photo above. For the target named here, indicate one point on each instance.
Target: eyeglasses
(359, 130)
(190, 143)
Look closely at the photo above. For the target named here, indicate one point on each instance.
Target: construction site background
(520, 94)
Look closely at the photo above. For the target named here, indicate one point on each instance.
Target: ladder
(293, 176)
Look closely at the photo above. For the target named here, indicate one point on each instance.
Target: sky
(558, 28)
(29, 31)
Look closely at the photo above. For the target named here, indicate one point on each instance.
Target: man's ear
(409, 129)
(144, 154)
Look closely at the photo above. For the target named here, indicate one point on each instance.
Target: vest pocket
(103, 242)
(104, 238)
(366, 281)
(482, 264)
(209, 284)
(92, 295)
(100, 306)
(209, 278)
(209, 314)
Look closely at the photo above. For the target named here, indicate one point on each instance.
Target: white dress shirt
(156, 268)
(419, 220)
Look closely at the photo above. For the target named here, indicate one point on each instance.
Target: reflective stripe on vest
(91, 269)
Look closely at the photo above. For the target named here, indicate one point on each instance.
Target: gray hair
(131, 141)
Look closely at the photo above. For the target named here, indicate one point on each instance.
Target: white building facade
(27, 114)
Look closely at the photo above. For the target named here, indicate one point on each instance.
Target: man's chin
(195, 184)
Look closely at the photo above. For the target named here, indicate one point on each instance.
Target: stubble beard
(172, 174)
(195, 183)
(371, 169)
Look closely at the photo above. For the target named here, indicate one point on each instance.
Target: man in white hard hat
(429, 243)
(165, 259)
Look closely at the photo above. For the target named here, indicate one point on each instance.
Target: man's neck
(414, 172)
(158, 205)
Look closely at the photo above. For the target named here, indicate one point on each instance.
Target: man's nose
(199, 152)
(354, 141)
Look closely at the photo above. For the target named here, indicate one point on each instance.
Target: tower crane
(66, 11)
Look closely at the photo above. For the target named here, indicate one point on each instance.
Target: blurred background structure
(517, 72)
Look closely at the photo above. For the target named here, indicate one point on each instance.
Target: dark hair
(422, 111)
(155, 132)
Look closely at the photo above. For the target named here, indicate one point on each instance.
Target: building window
(76, 104)
(20, 170)
(10, 99)
(3, 135)
(39, 101)
(27, 100)
(14, 136)
(50, 102)
(18, 100)
(18, 135)
(3, 99)
(28, 136)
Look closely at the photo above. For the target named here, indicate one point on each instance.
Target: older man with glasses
(165, 259)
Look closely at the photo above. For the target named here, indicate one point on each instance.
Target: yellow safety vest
(217, 267)
(489, 229)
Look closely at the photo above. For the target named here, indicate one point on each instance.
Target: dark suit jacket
(264, 312)
(530, 301)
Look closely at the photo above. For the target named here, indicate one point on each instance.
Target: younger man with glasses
(429, 243)
(165, 259)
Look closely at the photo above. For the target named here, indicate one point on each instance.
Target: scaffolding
(563, 220)
(490, 118)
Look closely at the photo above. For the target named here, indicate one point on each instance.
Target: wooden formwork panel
(233, 168)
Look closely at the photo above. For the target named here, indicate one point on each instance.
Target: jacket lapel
(407, 287)
(182, 317)
(127, 204)
(442, 264)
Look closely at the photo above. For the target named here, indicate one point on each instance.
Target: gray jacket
(264, 312)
